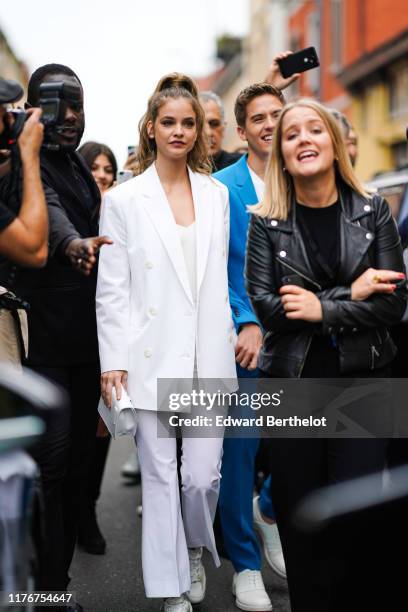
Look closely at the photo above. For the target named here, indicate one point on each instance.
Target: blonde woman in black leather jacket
(325, 276)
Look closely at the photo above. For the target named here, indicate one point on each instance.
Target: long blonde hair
(279, 187)
(174, 85)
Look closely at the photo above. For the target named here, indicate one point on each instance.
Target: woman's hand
(113, 378)
(298, 303)
(375, 281)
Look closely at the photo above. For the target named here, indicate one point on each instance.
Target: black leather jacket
(275, 249)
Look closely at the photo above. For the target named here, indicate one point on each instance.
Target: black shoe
(90, 537)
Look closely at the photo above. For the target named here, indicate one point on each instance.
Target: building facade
(363, 50)
(10, 66)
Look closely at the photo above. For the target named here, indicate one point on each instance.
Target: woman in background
(102, 163)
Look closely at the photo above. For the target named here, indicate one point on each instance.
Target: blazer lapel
(245, 187)
(157, 207)
(204, 219)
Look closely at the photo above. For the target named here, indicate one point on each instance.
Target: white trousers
(166, 535)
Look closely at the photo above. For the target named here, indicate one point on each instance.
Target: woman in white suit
(163, 312)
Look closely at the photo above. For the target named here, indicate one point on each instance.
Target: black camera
(54, 98)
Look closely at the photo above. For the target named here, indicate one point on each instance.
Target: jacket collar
(157, 207)
(355, 239)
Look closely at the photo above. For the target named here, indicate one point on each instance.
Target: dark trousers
(96, 471)
(332, 569)
(63, 456)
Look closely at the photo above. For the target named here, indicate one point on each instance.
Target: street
(114, 583)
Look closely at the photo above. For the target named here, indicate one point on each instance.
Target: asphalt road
(114, 583)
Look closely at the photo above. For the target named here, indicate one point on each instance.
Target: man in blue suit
(257, 109)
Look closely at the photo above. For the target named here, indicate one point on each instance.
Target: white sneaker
(271, 543)
(249, 591)
(196, 593)
(177, 604)
(131, 469)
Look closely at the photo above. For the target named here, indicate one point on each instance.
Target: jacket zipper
(284, 263)
(374, 354)
(302, 365)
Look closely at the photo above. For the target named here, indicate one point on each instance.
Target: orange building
(363, 50)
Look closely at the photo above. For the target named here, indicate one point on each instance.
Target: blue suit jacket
(241, 193)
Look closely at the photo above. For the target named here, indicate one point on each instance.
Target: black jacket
(275, 249)
(224, 159)
(61, 319)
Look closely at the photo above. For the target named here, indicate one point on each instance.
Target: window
(400, 153)
(398, 88)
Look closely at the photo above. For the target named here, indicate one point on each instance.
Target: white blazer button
(367, 208)
(152, 311)
(282, 253)
(226, 299)
(274, 223)
(148, 353)
(230, 338)
(149, 265)
(369, 235)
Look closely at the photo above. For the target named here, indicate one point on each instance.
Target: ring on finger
(376, 279)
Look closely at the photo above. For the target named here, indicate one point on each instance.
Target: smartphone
(306, 59)
(293, 279)
(131, 149)
(123, 175)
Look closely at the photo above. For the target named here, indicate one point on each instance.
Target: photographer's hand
(82, 252)
(31, 137)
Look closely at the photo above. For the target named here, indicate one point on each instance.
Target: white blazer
(147, 321)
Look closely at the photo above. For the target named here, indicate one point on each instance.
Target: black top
(7, 215)
(320, 230)
(223, 160)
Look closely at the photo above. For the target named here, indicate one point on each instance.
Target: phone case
(303, 60)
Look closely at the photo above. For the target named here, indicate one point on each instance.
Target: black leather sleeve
(261, 284)
(379, 309)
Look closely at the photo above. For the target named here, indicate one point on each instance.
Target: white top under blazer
(148, 321)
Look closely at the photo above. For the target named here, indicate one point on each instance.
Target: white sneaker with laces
(196, 593)
(249, 591)
(271, 543)
(177, 604)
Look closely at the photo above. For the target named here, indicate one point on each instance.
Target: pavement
(114, 583)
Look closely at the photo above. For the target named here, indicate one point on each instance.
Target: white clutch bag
(121, 419)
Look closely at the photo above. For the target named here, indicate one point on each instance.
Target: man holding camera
(61, 319)
(23, 221)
